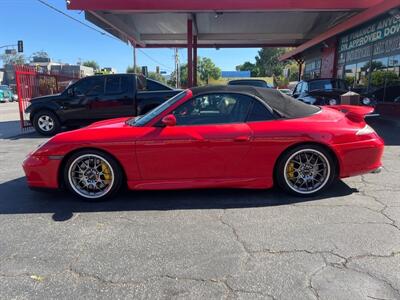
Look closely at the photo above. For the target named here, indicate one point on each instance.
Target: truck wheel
(46, 123)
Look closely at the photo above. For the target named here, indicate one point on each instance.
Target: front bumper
(360, 157)
(41, 171)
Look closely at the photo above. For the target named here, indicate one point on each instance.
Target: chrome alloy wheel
(45, 123)
(91, 176)
(307, 171)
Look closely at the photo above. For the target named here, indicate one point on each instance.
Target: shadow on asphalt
(11, 130)
(17, 198)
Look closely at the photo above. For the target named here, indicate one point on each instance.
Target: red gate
(31, 83)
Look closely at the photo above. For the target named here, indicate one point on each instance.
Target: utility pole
(177, 68)
(134, 58)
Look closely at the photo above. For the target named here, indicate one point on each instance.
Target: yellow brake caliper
(106, 171)
(290, 170)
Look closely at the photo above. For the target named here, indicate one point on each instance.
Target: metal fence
(32, 83)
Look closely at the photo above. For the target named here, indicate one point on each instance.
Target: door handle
(243, 138)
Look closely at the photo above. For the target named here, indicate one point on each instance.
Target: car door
(117, 99)
(266, 144)
(210, 140)
(77, 102)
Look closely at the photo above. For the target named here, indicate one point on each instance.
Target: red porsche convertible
(212, 137)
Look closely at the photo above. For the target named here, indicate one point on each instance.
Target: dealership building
(366, 56)
(354, 40)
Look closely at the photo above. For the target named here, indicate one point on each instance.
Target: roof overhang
(352, 22)
(219, 23)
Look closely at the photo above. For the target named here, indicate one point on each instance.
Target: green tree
(267, 61)
(183, 71)
(41, 53)
(91, 63)
(248, 66)
(293, 71)
(17, 58)
(157, 76)
(207, 69)
(130, 69)
(383, 77)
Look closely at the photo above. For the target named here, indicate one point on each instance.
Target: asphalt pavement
(199, 244)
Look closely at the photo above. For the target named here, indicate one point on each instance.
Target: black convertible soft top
(284, 105)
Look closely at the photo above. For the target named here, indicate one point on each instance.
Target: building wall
(328, 59)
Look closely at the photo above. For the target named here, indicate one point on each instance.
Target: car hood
(111, 123)
(45, 98)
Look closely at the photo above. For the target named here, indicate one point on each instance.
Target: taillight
(365, 130)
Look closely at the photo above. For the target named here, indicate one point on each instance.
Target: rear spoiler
(356, 113)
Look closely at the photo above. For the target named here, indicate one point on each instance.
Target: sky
(42, 28)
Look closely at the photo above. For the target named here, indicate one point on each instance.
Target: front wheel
(92, 175)
(46, 123)
(306, 170)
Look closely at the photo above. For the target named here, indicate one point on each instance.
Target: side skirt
(246, 183)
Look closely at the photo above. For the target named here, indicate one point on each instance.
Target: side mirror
(169, 120)
(70, 92)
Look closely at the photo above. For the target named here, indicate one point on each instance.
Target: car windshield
(4, 88)
(327, 85)
(143, 120)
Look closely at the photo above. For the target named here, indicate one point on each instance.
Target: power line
(154, 60)
(76, 20)
(99, 31)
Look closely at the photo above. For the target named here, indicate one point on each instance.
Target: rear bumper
(360, 157)
(41, 172)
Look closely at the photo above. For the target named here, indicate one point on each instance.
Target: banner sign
(373, 32)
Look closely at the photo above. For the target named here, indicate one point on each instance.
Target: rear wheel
(46, 123)
(92, 175)
(306, 170)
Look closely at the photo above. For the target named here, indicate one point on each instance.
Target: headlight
(366, 130)
(332, 101)
(366, 101)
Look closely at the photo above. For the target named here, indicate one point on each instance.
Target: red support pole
(190, 52)
(195, 60)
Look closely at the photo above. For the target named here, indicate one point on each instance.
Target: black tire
(116, 172)
(285, 159)
(37, 121)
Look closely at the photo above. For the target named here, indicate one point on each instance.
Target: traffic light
(157, 69)
(20, 46)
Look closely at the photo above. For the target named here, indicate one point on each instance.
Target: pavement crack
(231, 292)
(232, 228)
(392, 222)
(397, 291)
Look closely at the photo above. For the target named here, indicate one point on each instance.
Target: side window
(116, 84)
(216, 108)
(304, 87)
(259, 112)
(298, 88)
(90, 86)
(96, 87)
(81, 87)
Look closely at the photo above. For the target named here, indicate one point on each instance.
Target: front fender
(35, 107)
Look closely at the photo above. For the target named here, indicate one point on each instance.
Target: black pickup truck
(96, 98)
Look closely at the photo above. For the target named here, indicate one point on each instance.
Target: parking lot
(243, 244)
